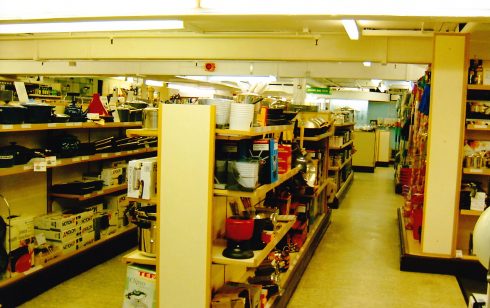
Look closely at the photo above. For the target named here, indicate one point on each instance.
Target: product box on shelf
(267, 149)
(95, 208)
(21, 231)
(284, 158)
(140, 288)
(65, 246)
(117, 203)
(60, 236)
(142, 176)
(112, 176)
(85, 239)
(55, 221)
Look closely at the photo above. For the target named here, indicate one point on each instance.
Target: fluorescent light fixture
(90, 26)
(250, 79)
(376, 81)
(154, 83)
(350, 27)
(366, 63)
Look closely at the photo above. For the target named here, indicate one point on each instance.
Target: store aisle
(357, 262)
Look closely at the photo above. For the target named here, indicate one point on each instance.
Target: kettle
(75, 112)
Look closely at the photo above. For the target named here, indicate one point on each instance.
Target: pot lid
(37, 105)
(12, 106)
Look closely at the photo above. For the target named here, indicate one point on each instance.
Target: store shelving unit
(17, 169)
(64, 257)
(343, 174)
(467, 218)
(34, 135)
(142, 132)
(138, 257)
(259, 255)
(10, 128)
(95, 194)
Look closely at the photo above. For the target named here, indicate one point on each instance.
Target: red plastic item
(416, 220)
(239, 229)
(96, 106)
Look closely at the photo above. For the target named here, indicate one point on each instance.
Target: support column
(446, 131)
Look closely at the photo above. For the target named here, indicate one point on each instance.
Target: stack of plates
(241, 116)
(222, 109)
(248, 173)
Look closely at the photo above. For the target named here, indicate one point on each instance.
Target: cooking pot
(12, 114)
(123, 113)
(146, 220)
(75, 112)
(138, 104)
(22, 155)
(38, 112)
(7, 155)
(150, 118)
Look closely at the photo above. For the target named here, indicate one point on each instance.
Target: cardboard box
(21, 231)
(66, 246)
(140, 287)
(267, 149)
(60, 236)
(86, 227)
(112, 176)
(85, 239)
(142, 177)
(96, 208)
(116, 203)
(55, 221)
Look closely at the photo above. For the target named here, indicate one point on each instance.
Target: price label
(118, 153)
(459, 253)
(104, 155)
(40, 166)
(52, 124)
(77, 124)
(474, 170)
(70, 124)
(27, 167)
(85, 157)
(26, 125)
(479, 126)
(7, 126)
(130, 152)
(75, 159)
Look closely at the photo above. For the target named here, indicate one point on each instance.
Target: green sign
(314, 90)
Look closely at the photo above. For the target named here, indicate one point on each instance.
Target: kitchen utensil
(150, 118)
(146, 221)
(38, 112)
(96, 106)
(238, 231)
(22, 155)
(7, 157)
(12, 114)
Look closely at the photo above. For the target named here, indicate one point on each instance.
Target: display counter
(365, 151)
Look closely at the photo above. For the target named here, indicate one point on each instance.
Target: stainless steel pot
(147, 231)
(150, 118)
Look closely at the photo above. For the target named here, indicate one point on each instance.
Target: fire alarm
(210, 67)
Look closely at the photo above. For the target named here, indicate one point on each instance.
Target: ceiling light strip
(350, 27)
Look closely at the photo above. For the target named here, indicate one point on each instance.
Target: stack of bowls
(248, 173)
(241, 116)
(222, 109)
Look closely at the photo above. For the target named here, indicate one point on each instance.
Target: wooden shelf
(477, 171)
(20, 276)
(139, 258)
(76, 160)
(473, 127)
(259, 255)
(142, 132)
(342, 146)
(344, 186)
(341, 166)
(103, 192)
(253, 131)
(259, 191)
(44, 96)
(8, 128)
(345, 124)
(484, 87)
(470, 212)
(319, 137)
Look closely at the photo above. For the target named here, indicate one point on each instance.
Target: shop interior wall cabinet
(28, 192)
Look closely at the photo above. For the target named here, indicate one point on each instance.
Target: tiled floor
(355, 265)
(357, 262)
